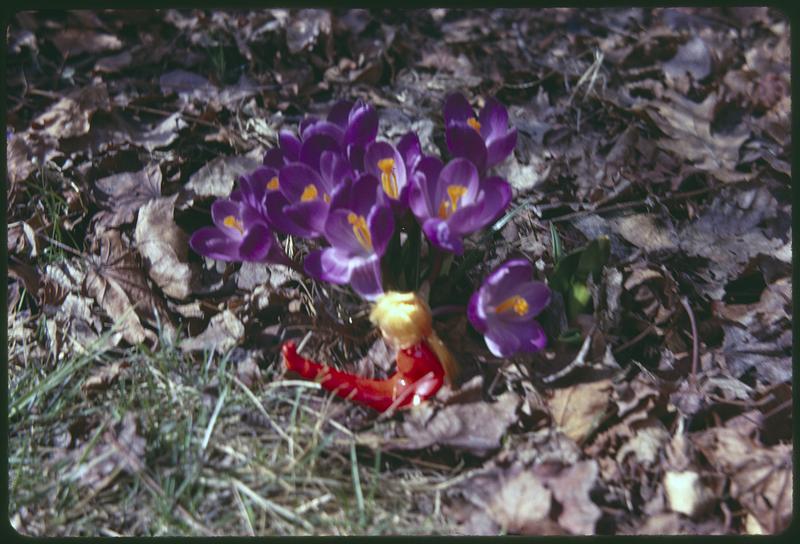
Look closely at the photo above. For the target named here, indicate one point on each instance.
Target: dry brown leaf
(571, 487)
(126, 193)
(761, 478)
(578, 409)
(688, 129)
(305, 27)
(223, 332)
(104, 377)
(73, 41)
(476, 426)
(646, 232)
(218, 176)
(521, 504)
(19, 159)
(113, 63)
(116, 274)
(164, 247)
(122, 449)
(69, 117)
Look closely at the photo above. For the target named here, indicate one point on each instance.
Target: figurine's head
(403, 318)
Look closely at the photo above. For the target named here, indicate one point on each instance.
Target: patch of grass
(220, 457)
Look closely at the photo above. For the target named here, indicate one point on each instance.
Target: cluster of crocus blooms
(333, 181)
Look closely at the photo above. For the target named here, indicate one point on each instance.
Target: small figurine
(423, 361)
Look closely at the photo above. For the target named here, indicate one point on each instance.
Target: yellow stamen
(273, 184)
(516, 303)
(326, 197)
(388, 177)
(309, 193)
(454, 192)
(360, 230)
(474, 123)
(231, 222)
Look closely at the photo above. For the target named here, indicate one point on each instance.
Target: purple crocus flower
(486, 140)
(504, 308)
(453, 201)
(384, 162)
(301, 195)
(358, 228)
(348, 129)
(240, 233)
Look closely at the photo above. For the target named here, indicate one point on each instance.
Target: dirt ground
(146, 394)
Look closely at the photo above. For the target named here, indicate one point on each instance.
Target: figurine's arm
(419, 375)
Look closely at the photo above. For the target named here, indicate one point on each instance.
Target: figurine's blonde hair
(404, 320)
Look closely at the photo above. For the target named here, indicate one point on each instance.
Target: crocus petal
(378, 151)
(305, 123)
(274, 158)
(323, 128)
(464, 141)
(340, 112)
(313, 147)
(339, 232)
(330, 264)
(213, 243)
(511, 338)
(425, 179)
(256, 244)
(366, 279)
(295, 177)
(502, 341)
(309, 215)
(458, 172)
(275, 203)
(456, 108)
(493, 119)
(537, 295)
(411, 151)
(362, 125)
(290, 145)
(223, 208)
(495, 194)
(476, 313)
(334, 169)
(355, 154)
(498, 149)
(508, 275)
(381, 226)
(440, 235)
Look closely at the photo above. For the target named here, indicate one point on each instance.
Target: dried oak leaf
(687, 126)
(571, 487)
(74, 41)
(121, 450)
(578, 409)
(70, 116)
(224, 331)
(477, 427)
(305, 27)
(217, 177)
(104, 377)
(126, 193)
(114, 280)
(19, 159)
(164, 247)
(761, 478)
(522, 503)
(113, 63)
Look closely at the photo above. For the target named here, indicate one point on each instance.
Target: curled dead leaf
(578, 409)
(126, 193)
(164, 247)
(223, 332)
(476, 426)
